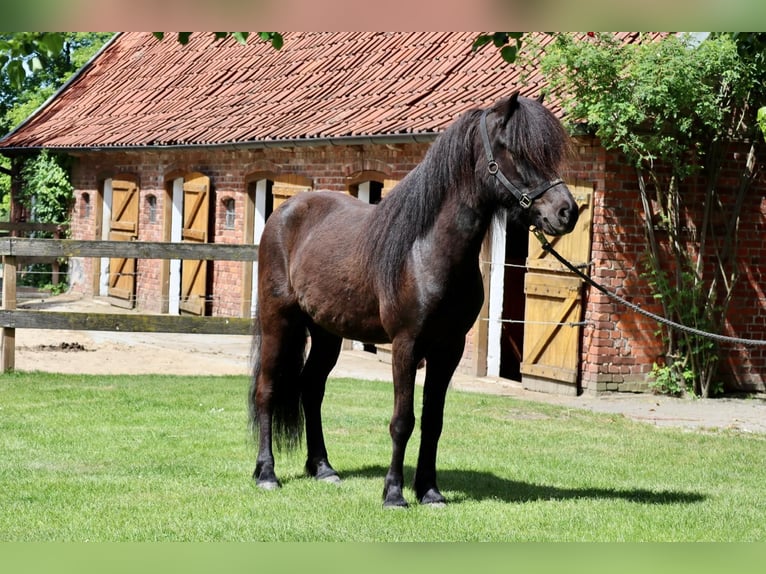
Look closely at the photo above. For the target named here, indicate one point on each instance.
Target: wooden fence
(13, 249)
(23, 229)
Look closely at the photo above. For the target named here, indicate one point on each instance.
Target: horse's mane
(533, 136)
(411, 207)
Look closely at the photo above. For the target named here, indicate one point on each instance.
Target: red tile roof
(140, 91)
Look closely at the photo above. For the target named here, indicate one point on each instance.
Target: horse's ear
(540, 97)
(507, 106)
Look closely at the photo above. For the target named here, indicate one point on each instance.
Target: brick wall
(618, 345)
(330, 167)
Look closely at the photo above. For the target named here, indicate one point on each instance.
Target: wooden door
(553, 310)
(195, 225)
(123, 226)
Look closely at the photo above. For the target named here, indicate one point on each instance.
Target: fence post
(8, 357)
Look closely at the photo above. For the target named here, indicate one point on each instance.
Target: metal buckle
(525, 201)
(492, 167)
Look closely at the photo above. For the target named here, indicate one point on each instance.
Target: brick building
(201, 142)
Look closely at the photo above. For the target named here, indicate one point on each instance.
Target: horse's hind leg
(275, 392)
(262, 391)
(323, 355)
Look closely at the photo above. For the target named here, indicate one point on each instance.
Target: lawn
(151, 458)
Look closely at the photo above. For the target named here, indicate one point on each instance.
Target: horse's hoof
(322, 471)
(394, 500)
(267, 484)
(330, 478)
(433, 498)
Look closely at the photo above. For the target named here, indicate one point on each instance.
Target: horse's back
(309, 253)
(327, 219)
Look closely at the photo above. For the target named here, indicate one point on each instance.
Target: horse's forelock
(536, 137)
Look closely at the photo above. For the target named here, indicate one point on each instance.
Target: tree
(51, 58)
(672, 107)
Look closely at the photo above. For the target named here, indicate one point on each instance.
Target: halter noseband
(525, 197)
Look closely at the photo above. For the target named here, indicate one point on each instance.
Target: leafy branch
(671, 108)
(275, 38)
(509, 43)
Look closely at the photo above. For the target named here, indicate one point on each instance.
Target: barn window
(151, 202)
(85, 206)
(368, 191)
(230, 213)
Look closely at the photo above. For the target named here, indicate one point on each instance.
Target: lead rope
(723, 338)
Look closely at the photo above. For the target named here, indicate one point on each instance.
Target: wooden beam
(9, 226)
(8, 343)
(21, 247)
(129, 323)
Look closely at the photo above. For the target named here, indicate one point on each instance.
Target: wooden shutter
(287, 185)
(123, 226)
(553, 311)
(388, 185)
(195, 225)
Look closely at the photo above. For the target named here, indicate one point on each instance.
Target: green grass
(149, 458)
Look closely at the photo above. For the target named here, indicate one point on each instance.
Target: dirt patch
(121, 353)
(64, 346)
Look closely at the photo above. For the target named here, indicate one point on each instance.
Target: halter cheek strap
(525, 197)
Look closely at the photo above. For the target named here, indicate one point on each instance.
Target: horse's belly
(326, 274)
(342, 307)
(351, 322)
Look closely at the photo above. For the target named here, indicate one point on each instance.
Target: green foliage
(35, 64)
(47, 191)
(5, 185)
(47, 194)
(687, 357)
(654, 100)
(670, 107)
(275, 38)
(668, 381)
(59, 54)
(27, 50)
(509, 43)
(55, 288)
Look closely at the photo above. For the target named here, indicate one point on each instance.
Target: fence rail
(11, 318)
(22, 247)
(18, 229)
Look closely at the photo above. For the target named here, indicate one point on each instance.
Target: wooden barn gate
(123, 226)
(553, 310)
(195, 229)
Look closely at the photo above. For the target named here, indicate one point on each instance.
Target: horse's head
(523, 144)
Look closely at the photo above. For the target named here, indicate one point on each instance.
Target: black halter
(525, 197)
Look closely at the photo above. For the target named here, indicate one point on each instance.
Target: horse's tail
(284, 387)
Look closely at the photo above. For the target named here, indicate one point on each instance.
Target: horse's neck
(460, 229)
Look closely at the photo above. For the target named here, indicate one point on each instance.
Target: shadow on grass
(472, 485)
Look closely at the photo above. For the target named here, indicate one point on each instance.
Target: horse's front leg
(403, 420)
(441, 363)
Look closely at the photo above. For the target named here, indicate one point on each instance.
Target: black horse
(405, 271)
